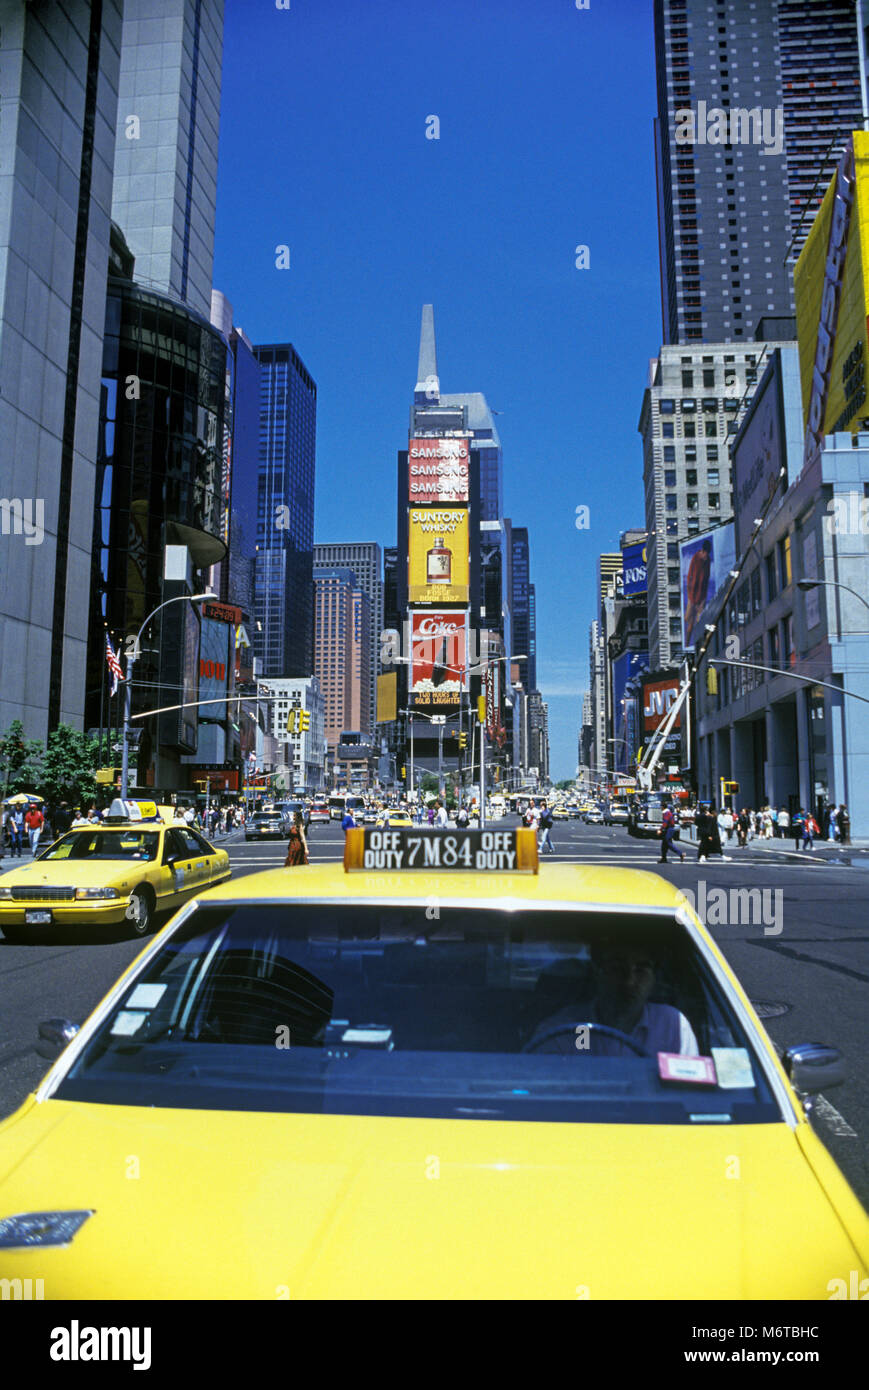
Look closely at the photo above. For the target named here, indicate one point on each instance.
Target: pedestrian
(797, 827)
(769, 823)
(297, 845)
(441, 818)
(833, 816)
(79, 821)
(743, 825)
(843, 821)
(810, 830)
(546, 828)
(34, 820)
(773, 817)
(348, 820)
(669, 831)
(707, 833)
(784, 824)
(15, 827)
(462, 817)
(62, 819)
(4, 816)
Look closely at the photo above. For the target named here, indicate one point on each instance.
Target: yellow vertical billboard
(830, 282)
(438, 568)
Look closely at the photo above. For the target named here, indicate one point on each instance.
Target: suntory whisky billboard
(438, 564)
(437, 470)
(439, 656)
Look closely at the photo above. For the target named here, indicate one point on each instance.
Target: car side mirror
(54, 1035)
(813, 1067)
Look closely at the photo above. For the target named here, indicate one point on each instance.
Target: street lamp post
(472, 671)
(807, 584)
(132, 654)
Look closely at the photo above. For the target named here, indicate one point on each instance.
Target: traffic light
(481, 708)
(292, 721)
(463, 739)
(403, 772)
(304, 720)
(711, 681)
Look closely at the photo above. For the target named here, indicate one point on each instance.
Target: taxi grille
(44, 894)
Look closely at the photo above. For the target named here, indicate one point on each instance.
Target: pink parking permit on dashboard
(672, 1066)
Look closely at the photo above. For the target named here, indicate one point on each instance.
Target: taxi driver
(624, 977)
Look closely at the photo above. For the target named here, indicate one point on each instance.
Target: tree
(68, 766)
(567, 785)
(20, 759)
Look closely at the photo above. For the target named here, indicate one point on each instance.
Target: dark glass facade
(284, 640)
(160, 481)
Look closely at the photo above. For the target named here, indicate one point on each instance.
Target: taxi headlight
(96, 893)
(5, 892)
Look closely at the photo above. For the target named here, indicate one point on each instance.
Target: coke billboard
(439, 657)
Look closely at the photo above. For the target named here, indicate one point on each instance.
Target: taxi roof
(585, 886)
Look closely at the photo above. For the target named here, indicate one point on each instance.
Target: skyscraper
(341, 651)
(364, 559)
(755, 101)
(521, 602)
(165, 183)
(284, 598)
(60, 103)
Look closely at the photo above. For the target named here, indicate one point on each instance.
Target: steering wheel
(604, 1028)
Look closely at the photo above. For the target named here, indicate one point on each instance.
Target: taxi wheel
(142, 901)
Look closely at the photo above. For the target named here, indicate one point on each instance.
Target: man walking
(34, 820)
(545, 828)
(668, 835)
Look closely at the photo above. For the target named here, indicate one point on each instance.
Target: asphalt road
(805, 966)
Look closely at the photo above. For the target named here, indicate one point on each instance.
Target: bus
(345, 801)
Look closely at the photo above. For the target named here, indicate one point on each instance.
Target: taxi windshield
(479, 1013)
(105, 844)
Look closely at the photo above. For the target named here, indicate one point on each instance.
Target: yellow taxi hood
(78, 873)
(204, 1204)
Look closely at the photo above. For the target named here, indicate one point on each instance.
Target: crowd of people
(719, 829)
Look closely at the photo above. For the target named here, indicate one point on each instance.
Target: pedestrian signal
(292, 719)
(481, 709)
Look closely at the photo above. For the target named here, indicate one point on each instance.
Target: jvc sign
(658, 699)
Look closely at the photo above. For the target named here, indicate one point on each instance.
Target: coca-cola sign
(439, 657)
(437, 470)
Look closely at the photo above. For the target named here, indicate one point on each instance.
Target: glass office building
(159, 483)
(284, 600)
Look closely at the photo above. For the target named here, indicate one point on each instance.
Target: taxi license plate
(37, 917)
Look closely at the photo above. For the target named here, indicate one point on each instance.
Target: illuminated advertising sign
(439, 657)
(438, 564)
(759, 455)
(658, 699)
(634, 570)
(216, 660)
(705, 563)
(438, 470)
(830, 284)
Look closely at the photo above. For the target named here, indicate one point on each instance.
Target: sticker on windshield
(733, 1066)
(672, 1066)
(127, 1023)
(146, 996)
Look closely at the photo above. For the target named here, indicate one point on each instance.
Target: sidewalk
(854, 856)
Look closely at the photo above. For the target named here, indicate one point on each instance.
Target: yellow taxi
(437, 1071)
(126, 869)
(395, 820)
(559, 813)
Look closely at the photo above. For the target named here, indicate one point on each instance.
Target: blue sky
(545, 143)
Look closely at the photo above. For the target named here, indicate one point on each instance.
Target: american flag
(113, 664)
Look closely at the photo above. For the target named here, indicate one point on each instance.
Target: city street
(805, 971)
